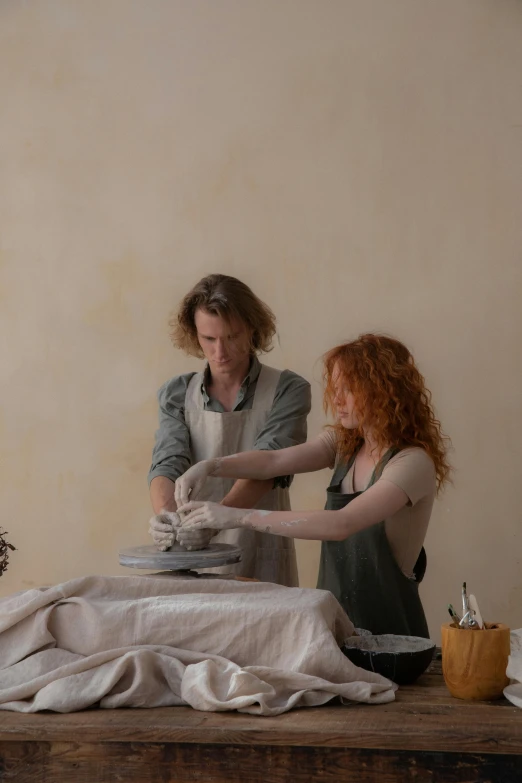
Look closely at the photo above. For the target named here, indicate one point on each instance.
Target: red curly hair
(390, 398)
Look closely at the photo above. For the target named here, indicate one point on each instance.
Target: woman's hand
(193, 481)
(203, 514)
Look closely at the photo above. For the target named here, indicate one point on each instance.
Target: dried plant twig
(5, 546)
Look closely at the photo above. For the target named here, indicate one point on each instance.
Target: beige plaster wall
(357, 162)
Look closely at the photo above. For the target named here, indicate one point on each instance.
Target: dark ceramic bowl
(401, 659)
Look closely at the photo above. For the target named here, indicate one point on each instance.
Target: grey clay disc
(178, 559)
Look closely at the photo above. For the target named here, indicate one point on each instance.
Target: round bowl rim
(360, 641)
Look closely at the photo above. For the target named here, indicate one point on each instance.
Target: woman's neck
(370, 449)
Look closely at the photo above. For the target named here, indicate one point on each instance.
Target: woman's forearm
(379, 502)
(309, 525)
(305, 458)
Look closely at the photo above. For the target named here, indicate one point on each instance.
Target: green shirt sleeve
(171, 452)
(286, 422)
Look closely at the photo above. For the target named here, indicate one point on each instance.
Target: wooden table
(425, 735)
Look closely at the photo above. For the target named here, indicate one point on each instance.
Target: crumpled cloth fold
(141, 641)
(513, 691)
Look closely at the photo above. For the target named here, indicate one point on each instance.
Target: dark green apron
(363, 574)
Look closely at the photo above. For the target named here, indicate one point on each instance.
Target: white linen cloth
(513, 691)
(142, 641)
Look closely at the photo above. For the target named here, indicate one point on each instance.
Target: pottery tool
(465, 607)
(453, 614)
(471, 617)
(468, 621)
(476, 611)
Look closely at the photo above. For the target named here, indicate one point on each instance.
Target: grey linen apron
(363, 574)
(266, 557)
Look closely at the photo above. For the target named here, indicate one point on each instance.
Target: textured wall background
(359, 164)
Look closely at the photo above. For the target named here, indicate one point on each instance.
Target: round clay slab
(178, 559)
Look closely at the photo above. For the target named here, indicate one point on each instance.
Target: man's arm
(246, 493)
(162, 494)
(171, 453)
(286, 422)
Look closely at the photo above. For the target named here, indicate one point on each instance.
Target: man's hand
(192, 482)
(163, 528)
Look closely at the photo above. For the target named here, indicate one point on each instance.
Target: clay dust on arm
(264, 464)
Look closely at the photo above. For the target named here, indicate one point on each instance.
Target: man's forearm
(246, 493)
(162, 494)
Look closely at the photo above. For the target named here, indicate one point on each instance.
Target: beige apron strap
(267, 382)
(193, 396)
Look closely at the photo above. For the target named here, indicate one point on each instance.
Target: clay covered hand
(194, 539)
(163, 528)
(192, 482)
(204, 514)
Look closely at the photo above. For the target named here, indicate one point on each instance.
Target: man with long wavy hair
(235, 404)
(389, 458)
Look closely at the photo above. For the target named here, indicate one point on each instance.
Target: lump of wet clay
(194, 540)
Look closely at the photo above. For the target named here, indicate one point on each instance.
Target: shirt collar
(251, 376)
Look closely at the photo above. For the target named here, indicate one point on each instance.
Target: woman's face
(344, 401)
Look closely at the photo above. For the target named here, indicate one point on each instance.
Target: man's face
(226, 344)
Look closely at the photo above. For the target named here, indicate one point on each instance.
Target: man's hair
(231, 299)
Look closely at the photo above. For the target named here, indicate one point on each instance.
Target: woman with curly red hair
(389, 459)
